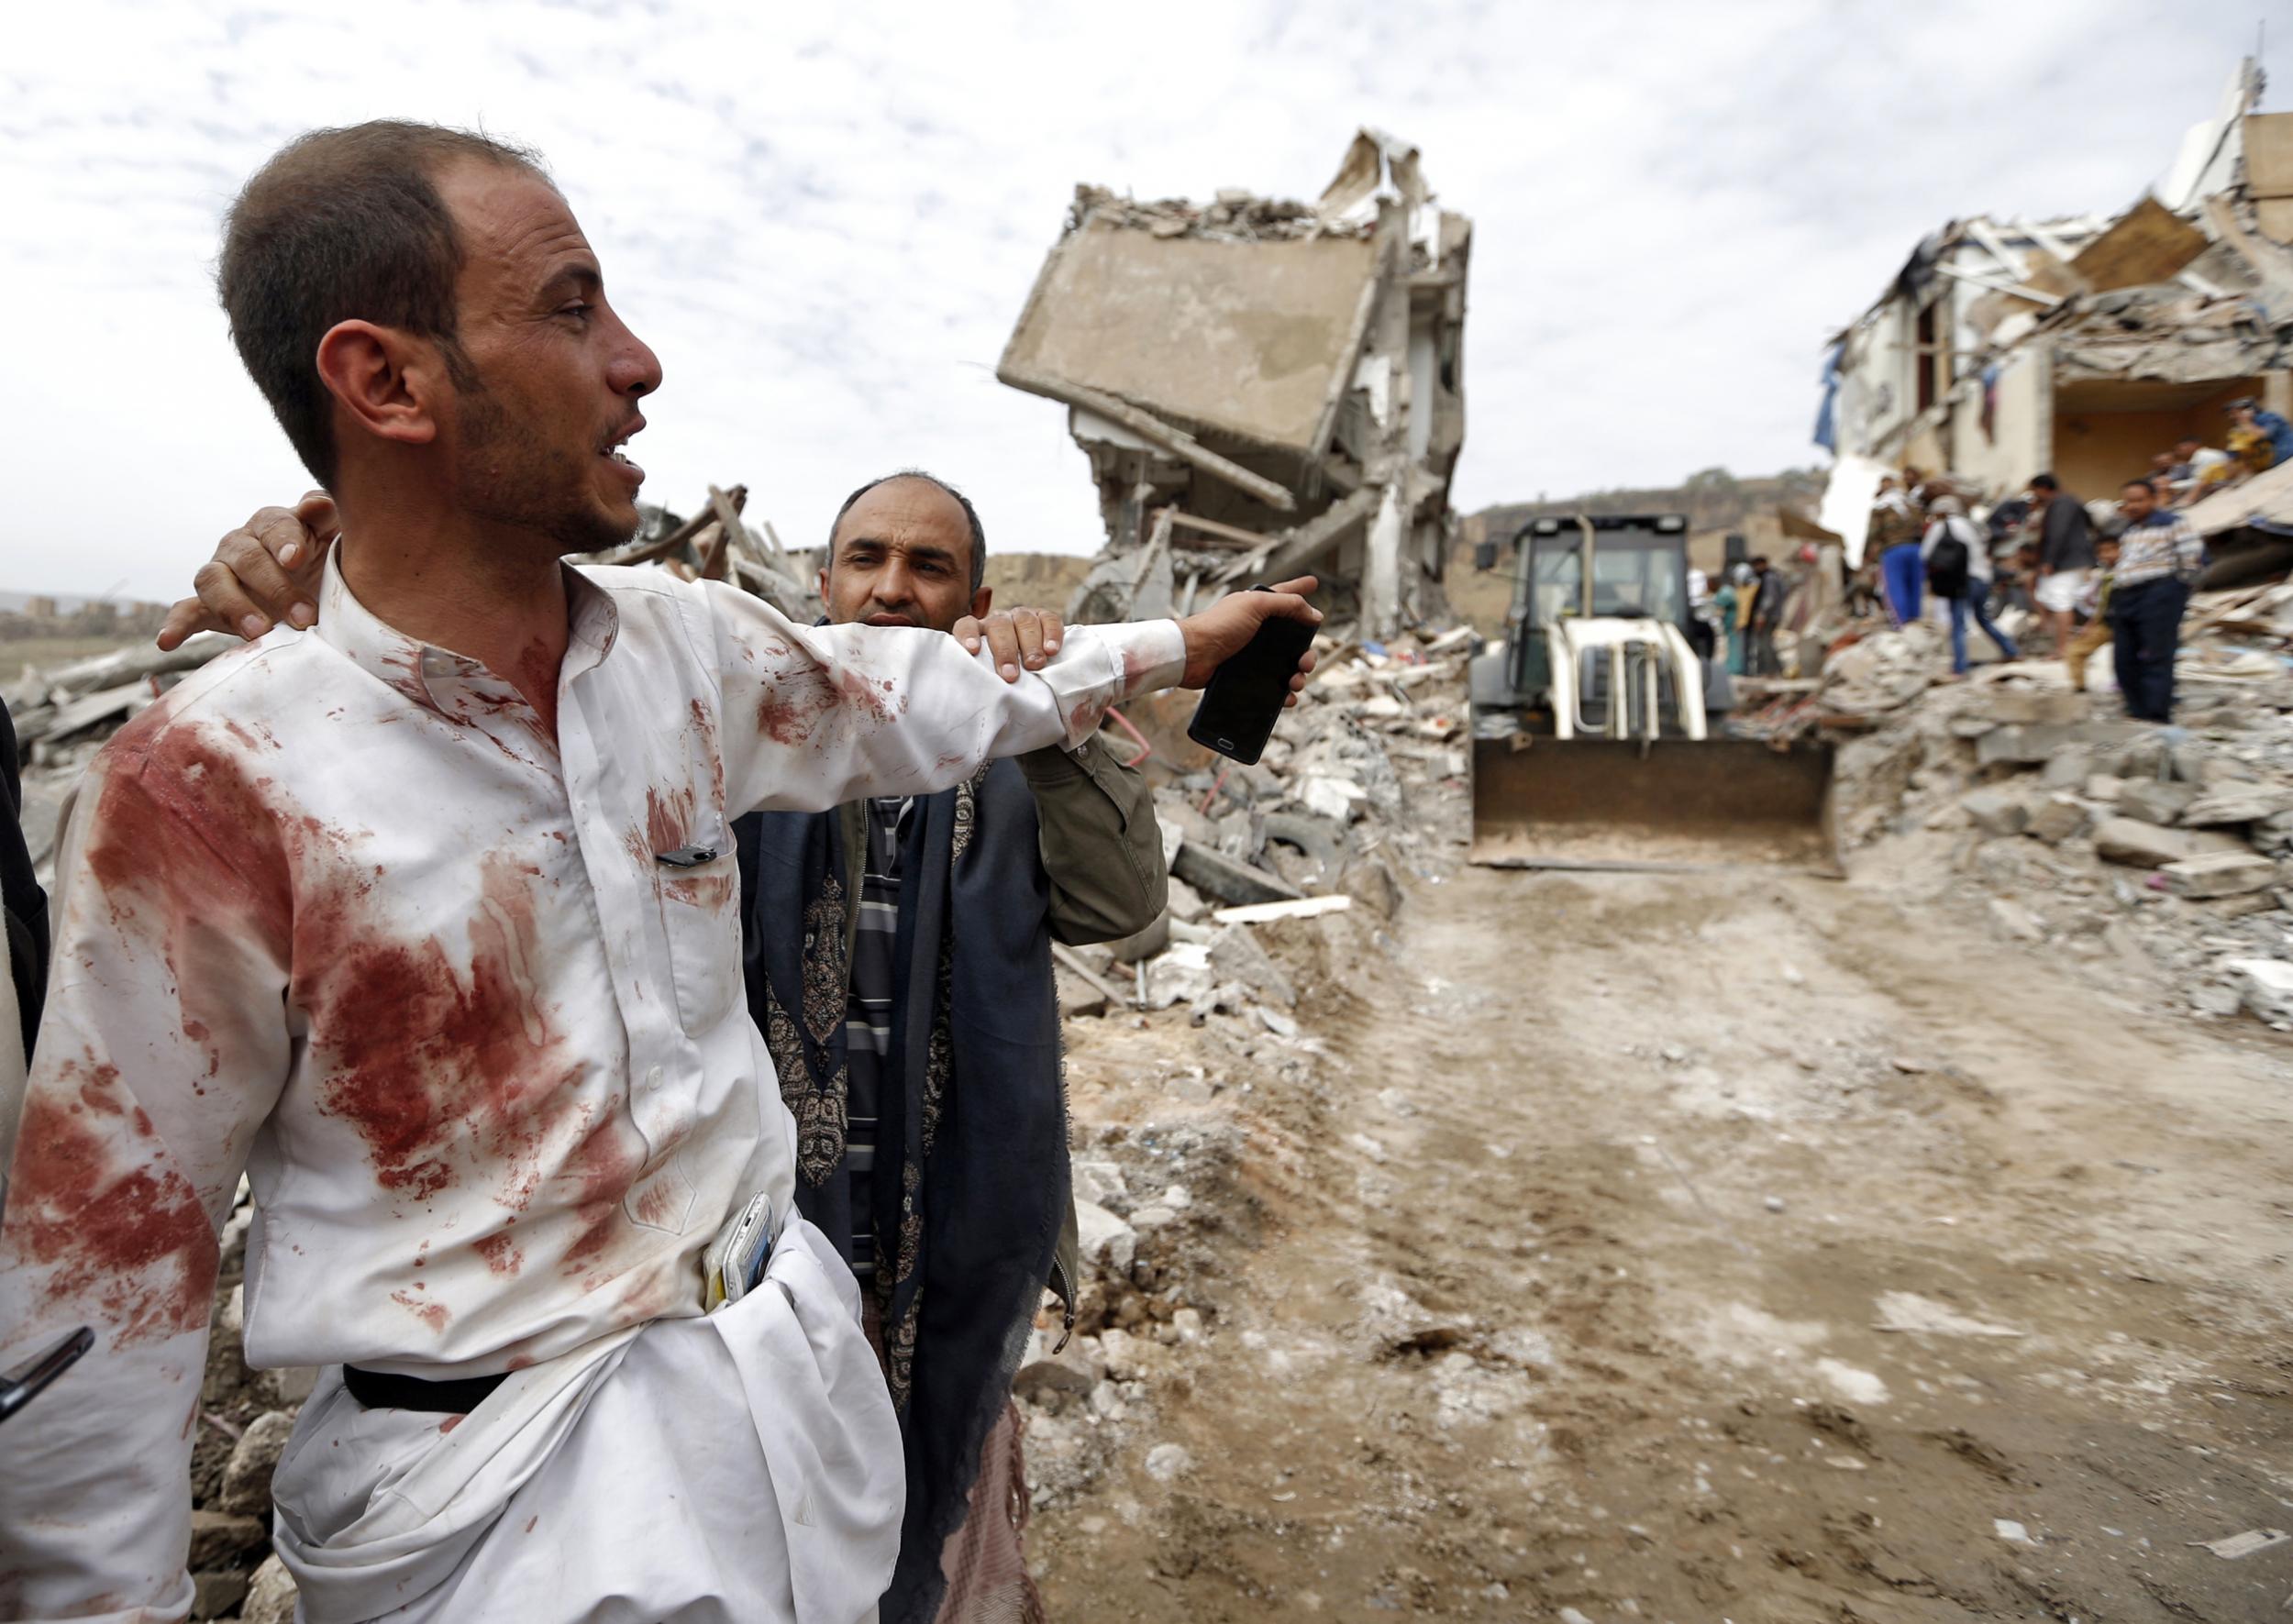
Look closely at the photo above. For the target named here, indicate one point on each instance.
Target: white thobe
(339, 913)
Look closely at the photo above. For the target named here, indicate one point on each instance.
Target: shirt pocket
(700, 904)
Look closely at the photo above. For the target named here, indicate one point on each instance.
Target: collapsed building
(1262, 387)
(2083, 344)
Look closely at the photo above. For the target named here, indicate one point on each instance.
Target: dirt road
(1715, 1246)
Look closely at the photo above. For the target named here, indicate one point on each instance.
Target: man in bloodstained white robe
(425, 921)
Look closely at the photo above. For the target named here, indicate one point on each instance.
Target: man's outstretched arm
(815, 716)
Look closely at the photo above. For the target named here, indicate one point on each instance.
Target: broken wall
(1261, 387)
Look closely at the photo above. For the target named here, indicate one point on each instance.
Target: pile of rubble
(2166, 851)
(245, 1417)
(1321, 823)
(1234, 215)
(1283, 874)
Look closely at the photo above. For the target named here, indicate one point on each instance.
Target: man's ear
(823, 586)
(387, 382)
(981, 601)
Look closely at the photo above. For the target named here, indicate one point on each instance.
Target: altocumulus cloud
(824, 220)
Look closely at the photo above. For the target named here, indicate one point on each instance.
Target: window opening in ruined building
(1927, 352)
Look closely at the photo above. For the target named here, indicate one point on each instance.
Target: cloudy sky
(825, 218)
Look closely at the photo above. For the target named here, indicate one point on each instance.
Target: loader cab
(1639, 570)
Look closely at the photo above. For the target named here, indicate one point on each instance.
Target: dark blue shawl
(972, 1176)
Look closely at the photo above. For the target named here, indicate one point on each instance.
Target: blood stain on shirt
(434, 1066)
(433, 1314)
(500, 1253)
(669, 818)
(602, 1166)
(118, 1230)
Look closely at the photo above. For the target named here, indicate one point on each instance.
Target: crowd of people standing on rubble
(2114, 573)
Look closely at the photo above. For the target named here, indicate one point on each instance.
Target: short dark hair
(2045, 482)
(970, 517)
(342, 225)
(2143, 480)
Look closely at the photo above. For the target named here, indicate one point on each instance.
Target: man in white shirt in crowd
(423, 918)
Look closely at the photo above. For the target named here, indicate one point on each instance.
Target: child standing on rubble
(2094, 635)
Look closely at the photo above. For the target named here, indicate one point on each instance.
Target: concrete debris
(2265, 988)
(2219, 874)
(1262, 387)
(2162, 848)
(247, 1476)
(1101, 1235)
(270, 1596)
(2236, 1547)
(2155, 801)
(1268, 913)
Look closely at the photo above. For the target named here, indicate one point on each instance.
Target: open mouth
(614, 450)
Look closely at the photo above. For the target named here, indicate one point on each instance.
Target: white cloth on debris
(338, 912)
(732, 1467)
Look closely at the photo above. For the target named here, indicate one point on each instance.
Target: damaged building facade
(2085, 344)
(1262, 387)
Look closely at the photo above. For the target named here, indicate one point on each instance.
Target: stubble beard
(512, 478)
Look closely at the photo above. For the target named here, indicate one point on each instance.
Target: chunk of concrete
(2266, 986)
(2052, 707)
(2155, 801)
(218, 1539)
(270, 1594)
(1103, 1182)
(2221, 805)
(2024, 744)
(2069, 770)
(2139, 844)
(213, 1595)
(1075, 1368)
(2152, 845)
(1997, 808)
(1180, 975)
(1185, 902)
(2219, 874)
(2105, 788)
(246, 1476)
(1100, 1234)
(1078, 998)
(1229, 880)
(1235, 956)
(2058, 818)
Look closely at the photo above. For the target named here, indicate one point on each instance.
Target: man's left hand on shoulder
(1018, 639)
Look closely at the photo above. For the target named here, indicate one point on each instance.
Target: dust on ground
(1723, 1246)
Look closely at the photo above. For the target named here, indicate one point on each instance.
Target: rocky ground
(1733, 1245)
(1684, 1247)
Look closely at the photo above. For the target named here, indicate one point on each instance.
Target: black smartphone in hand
(1244, 696)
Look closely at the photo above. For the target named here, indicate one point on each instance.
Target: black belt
(375, 1390)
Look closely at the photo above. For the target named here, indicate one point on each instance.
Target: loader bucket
(1541, 802)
